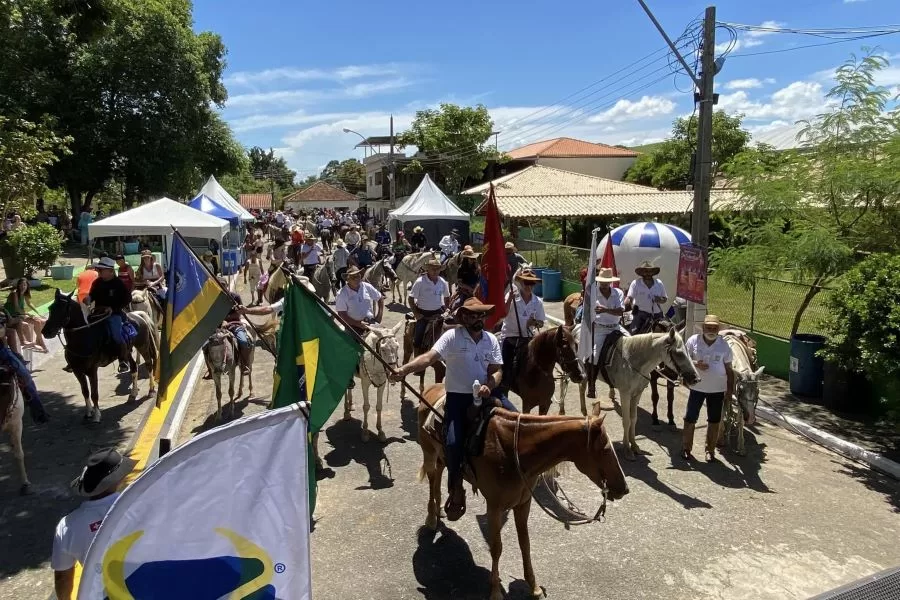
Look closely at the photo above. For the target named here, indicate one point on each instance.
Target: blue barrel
(806, 369)
(551, 281)
(539, 288)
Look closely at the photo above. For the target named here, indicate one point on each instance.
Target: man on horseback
(26, 382)
(524, 312)
(449, 245)
(109, 293)
(236, 326)
(514, 260)
(362, 255)
(382, 236)
(645, 297)
(429, 297)
(310, 256)
(471, 354)
(609, 306)
(358, 303)
(400, 249)
(418, 240)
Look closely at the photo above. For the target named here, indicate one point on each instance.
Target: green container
(61, 272)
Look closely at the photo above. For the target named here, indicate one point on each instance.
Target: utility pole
(391, 173)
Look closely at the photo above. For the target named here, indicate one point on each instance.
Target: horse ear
(671, 335)
(58, 294)
(559, 333)
(398, 327)
(759, 371)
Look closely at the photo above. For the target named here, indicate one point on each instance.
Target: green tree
(453, 140)
(668, 165)
(829, 201)
(265, 165)
(349, 174)
(27, 150)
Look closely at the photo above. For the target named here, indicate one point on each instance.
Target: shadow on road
(409, 419)
(240, 405)
(875, 481)
(445, 569)
(344, 437)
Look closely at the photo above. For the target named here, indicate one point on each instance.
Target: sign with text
(692, 273)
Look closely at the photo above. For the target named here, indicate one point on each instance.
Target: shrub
(36, 246)
(566, 261)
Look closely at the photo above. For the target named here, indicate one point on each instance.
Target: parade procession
(294, 325)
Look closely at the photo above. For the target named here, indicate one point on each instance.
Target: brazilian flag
(316, 361)
(195, 307)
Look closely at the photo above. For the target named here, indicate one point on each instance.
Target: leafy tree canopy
(349, 174)
(27, 150)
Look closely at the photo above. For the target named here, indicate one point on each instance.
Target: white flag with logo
(226, 515)
(586, 337)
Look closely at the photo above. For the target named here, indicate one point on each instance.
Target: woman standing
(17, 301)
(84, 220)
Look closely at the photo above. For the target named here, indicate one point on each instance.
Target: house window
(378, 178)
(370, 180)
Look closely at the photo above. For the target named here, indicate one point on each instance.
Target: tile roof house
(256, 201)
(578, 156)
(321, 195)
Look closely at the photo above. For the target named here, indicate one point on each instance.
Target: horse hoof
(25, 490)
(431, 522)
(639, 451)
(365, 435)
(347, 416)
(381, 437)
(656, 426)
(96, 417)
(673, 426)
(132, 398)
(628, 454)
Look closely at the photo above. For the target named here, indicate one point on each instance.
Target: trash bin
(551, 282)
(539, 288)
(806, 369)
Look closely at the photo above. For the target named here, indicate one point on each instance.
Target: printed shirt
(534, 308)
(616, 300)
(449, 245)
(713, 379)
(429, 295)
(643, 295)
(467, 360)
(76, 531)
(357, 303)
(314, 251)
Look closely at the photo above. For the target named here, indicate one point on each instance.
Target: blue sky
(299, 72)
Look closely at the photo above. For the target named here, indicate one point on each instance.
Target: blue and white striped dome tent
(634, 243)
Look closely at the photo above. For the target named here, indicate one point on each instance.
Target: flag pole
(227, 292)
(359, 338)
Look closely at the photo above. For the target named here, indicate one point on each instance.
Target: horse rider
(238, 329)
(109, 293)
(418, 240)
(514, 260)
(469, 272)
(98, 483)
(362, 255)
(310, 255)
(471, 354)
(609, 306)
(382, 236)
(524, 313)
(15, 362)
(645, 297)
(400, 249)
(150, 275)
(449, 245)
(712, 356)
(359, 303)
(341, 258)
(429, 297)
(353, 237)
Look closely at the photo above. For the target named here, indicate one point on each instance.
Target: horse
(661, 326)
(12, 411)
(533, 380)
(375, 274)
(373, 372)
(91, 348)
(146, 301)
(570, 305)
(746, 393)
(408, 271)
(220, 354)
(451, 269)
(323, 279)
(434, 327)
(518, 449)
(327, 237)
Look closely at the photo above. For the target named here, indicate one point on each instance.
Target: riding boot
(244, 352)
(591, 373)
(687, 441)
(124, 358)
(712, 434)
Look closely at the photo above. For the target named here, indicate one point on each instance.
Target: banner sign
(692, 273)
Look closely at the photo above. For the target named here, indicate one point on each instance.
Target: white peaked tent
(429, 204)
(215, 191)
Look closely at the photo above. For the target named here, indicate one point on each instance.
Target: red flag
(493, 262)
(609, 259)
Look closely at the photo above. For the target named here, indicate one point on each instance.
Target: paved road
(789, 520)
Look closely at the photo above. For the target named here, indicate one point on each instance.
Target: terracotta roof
(568, 148)
(321, 191)
(261, 201)
(539, 191)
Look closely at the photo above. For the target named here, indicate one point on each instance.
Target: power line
(803, 47)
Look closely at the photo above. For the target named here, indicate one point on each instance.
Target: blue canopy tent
(231, 253)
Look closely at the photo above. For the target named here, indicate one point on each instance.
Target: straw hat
(528, 276)
(103, 472)
(340, 243)
(468, 252)
(417, 229)
(647, 267)
(474, 305)
(606, 276)
(434, 263)
(509, 246)
(353, 271)
(146, 253)
(712, 320)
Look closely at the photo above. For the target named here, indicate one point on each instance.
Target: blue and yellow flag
(195, 307)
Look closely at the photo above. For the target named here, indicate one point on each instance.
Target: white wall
(612, 167)
(374, 165)
(307, 206)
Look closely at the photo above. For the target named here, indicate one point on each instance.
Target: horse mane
(542, 347)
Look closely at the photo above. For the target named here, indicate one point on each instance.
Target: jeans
(455, 418)
(508, 351)
(421, 324)
(339, 275)
(115, 328)
(240, 334)
(714, 404)
(26, 381)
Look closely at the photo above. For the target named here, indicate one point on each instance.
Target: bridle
(391, 363)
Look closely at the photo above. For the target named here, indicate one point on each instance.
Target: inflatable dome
(634, 243)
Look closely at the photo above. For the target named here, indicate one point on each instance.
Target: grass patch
(43, 296)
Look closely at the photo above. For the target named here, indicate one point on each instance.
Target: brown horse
(534, 381)
(570, 305)
(433, 330)
(518, 449)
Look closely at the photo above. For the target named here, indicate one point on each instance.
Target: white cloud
(799, 100)
(747, 84)
(307, 96)
(854, 1)
(346, 73)
(749, 39)
(626, 110)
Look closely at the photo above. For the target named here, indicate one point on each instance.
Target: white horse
(582, 387)
(373, 372)
(220, 353)
(141, 301)
(12, 411)
(746, 393)
(408, 271)
(323, 279)
(375, 274)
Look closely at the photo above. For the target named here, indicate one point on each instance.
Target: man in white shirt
(310, 255)
(98, 482)
(341, 257)
(429, 297)
(609, 306)
(353, 237)
(524, 311)
(471, 354)
(712, 356)
(646, 294)
(449, 245)
(359, 303)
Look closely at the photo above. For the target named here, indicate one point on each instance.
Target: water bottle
(476, 399)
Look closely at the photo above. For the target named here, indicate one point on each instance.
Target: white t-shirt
(533, 309)
(327, 223)
(357, 303)
(449, 245)
(314, 251)
(429, 295)
(616, 300)
(467, 360)
(76, 531)
(340, 254)
(643, 296)
(713, 379)
(352, 238)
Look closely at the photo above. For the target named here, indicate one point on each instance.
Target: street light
(374, 152)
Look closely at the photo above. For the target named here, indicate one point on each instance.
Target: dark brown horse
(518, 449)
(534, 380)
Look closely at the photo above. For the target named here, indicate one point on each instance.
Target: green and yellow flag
(316, 361)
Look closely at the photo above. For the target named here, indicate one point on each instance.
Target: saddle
(748, 342)
(475, 429)
(606, 353)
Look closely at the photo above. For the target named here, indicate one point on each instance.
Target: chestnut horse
(534, 381)
(518, 448)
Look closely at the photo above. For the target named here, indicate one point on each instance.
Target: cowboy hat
(509, 246)
(146, 253)
(340, 243)
(454, 231)
(647, 266)
(103, 471)
(434, 263)
(352, 271)
(105, 263)
(469, 253)
(311, 238)
(207, 254)
(606, 276)
(474, 305)
(527, 275)
(417, 229)
(712, 320)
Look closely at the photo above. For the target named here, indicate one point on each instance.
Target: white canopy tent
(215, 191)
(428, 203)
(158, 218)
